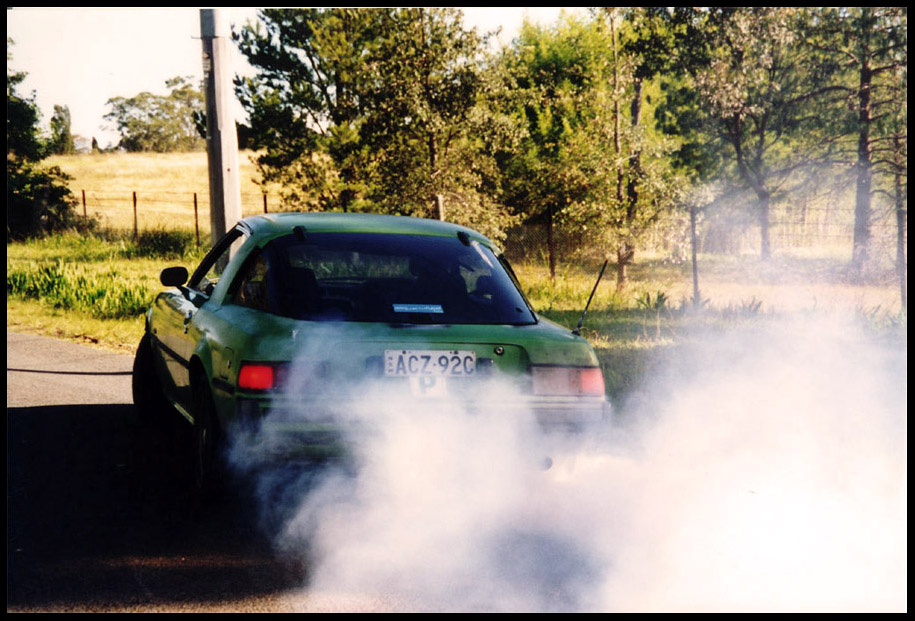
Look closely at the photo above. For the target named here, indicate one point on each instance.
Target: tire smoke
(762, 470)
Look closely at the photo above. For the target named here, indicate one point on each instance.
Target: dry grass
(165, 185)
(785, 284)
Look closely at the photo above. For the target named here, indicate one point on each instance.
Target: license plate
(429, 363)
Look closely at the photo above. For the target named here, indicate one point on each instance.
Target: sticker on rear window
(418, 308)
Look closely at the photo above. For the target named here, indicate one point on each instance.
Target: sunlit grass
(35, 317)
(89, 288)
(165, 185)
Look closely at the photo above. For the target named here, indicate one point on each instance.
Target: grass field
(632, 329)
(165, 185)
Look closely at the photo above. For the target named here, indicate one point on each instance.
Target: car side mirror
(173, 276)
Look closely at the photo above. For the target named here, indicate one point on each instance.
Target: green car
(291, 317)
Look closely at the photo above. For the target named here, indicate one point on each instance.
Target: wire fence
(144, 211)
(671, 240)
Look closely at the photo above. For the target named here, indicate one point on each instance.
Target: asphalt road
(98, 516)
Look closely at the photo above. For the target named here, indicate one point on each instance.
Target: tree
(303, 103)
(566, 160)
(584, 161)
(755, 89)
(22, 117)
(649, 43)
(149, 122)
(37, 198)
(61, 142)
(372, 109)
(868, 46)
(427, 122)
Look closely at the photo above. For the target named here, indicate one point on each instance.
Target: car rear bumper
(315, 429)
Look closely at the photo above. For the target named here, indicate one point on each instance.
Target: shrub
(39, 201)
(173, 244)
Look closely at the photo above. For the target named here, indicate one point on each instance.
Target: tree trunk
(635, 159)
(624, 254)
(439, 207)
(765, 244)
(753, 177)
(617, 144)
(864, 166)
(900, 196)
(622, 250)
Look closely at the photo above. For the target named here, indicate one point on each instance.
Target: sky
(82, 57)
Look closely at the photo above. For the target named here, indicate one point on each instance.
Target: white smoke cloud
(775, 480)
(768, 473)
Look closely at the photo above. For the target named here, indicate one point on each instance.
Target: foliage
(302, 101)
(165, 243)
(373, 109)
(868, 47)
(37, 198)
(61, 141)
(659, 303)
(73, 287)
(587, 160)
(756, 83)
(562, 94)
(22, 117)
(159, 123)
(429, 126)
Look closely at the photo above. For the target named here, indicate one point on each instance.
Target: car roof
(276, 224)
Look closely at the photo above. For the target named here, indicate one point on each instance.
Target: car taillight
(257, 376)
(567, 381)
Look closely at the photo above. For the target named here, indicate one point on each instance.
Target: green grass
(103, 295)
(59, 285)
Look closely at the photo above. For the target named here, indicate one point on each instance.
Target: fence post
(136, 234)
(265, 202)
(196, 225)
(84, 203)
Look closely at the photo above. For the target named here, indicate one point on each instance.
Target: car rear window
(373, 277)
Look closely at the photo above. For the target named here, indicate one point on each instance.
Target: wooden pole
(222, 136)
(265, 202)
(84, 203)
(136, 233)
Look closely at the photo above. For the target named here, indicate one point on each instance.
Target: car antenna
(577, 330)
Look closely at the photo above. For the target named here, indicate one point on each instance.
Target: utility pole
(222, 140)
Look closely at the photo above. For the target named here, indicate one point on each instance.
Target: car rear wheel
(207, 458)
